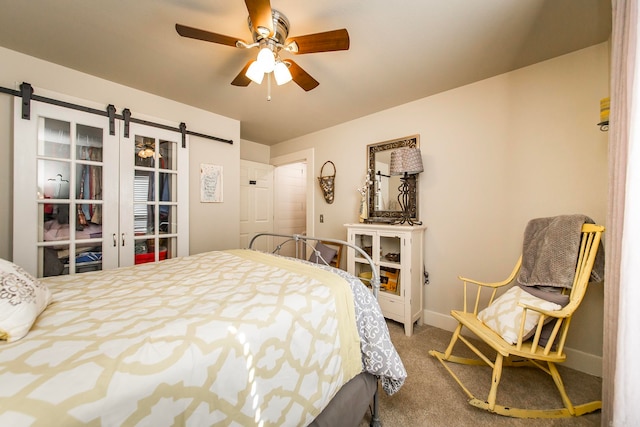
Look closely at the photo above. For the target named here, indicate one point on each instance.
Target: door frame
(304, 156)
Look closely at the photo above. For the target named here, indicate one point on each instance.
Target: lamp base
(403, 201)
(406, 219)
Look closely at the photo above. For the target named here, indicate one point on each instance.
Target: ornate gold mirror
(383, 187)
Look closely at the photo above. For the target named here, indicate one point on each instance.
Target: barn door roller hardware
(27, 94)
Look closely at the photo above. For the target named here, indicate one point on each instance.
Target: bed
(235, 337)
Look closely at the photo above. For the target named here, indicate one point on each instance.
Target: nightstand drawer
(391, 307)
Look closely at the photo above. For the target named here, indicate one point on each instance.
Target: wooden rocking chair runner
(524, 351)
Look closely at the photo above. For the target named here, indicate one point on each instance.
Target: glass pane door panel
(167, 187)
(143, 219)
(89, 222)
(143, 184)
(89, 153)
(52, 260)
(62, 255)
(141, 248)
(167, 155)
(53, 223)
(168, 219)
(390, 249)
(88, 257)
(363, 272)
(145, 152)
(89, 182)
(54, 138)
(53, 179)
(169, 246)
(154, 249)
(364, 242)
(390, 280)
(89, 143)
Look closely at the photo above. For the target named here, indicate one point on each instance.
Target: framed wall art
(210, 183)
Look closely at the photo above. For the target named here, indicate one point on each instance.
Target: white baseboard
(584, 362)
(579, 360)
(439, 320)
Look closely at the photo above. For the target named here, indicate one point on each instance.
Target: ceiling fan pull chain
(268, 86)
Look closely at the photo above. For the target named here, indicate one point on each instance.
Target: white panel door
(290, 215)
(85, 200)
(154, 190)
(65, 206)
(256, 203)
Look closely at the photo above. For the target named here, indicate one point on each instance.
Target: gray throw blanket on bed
(550, 251)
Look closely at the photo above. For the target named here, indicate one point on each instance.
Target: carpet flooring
(431, 397)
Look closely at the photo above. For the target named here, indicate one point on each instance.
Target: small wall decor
(363, 215)
(210, 183)
(328, 183)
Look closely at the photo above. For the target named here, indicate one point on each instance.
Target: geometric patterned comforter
(232, 338)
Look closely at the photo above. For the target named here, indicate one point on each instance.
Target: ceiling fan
(270, 29)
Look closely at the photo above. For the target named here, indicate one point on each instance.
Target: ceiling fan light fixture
(266, 59)
(270, 32)
(281, 73)
(255, 72)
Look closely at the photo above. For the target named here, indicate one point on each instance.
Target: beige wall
(496, 154)
(254, 152)
(210, 227)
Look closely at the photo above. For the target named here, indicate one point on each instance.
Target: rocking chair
(540, 343)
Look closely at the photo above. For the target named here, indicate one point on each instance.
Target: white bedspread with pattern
(231, 338)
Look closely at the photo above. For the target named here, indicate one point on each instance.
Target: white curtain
(621, 388)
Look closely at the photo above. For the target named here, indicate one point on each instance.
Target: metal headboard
(297, 238)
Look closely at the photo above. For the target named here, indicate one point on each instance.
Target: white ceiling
(400, 51)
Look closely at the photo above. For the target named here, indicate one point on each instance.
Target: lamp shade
(406, 160)
(281, 73)
(255, 72)
(266, 59)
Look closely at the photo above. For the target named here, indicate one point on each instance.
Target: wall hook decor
(328, 183)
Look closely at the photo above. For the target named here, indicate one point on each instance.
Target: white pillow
(22, 299)
(504, 315)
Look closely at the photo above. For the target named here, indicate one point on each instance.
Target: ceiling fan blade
(206, 36)
(320, 42)
(260, 15)
(301, 77)
(241, 79)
